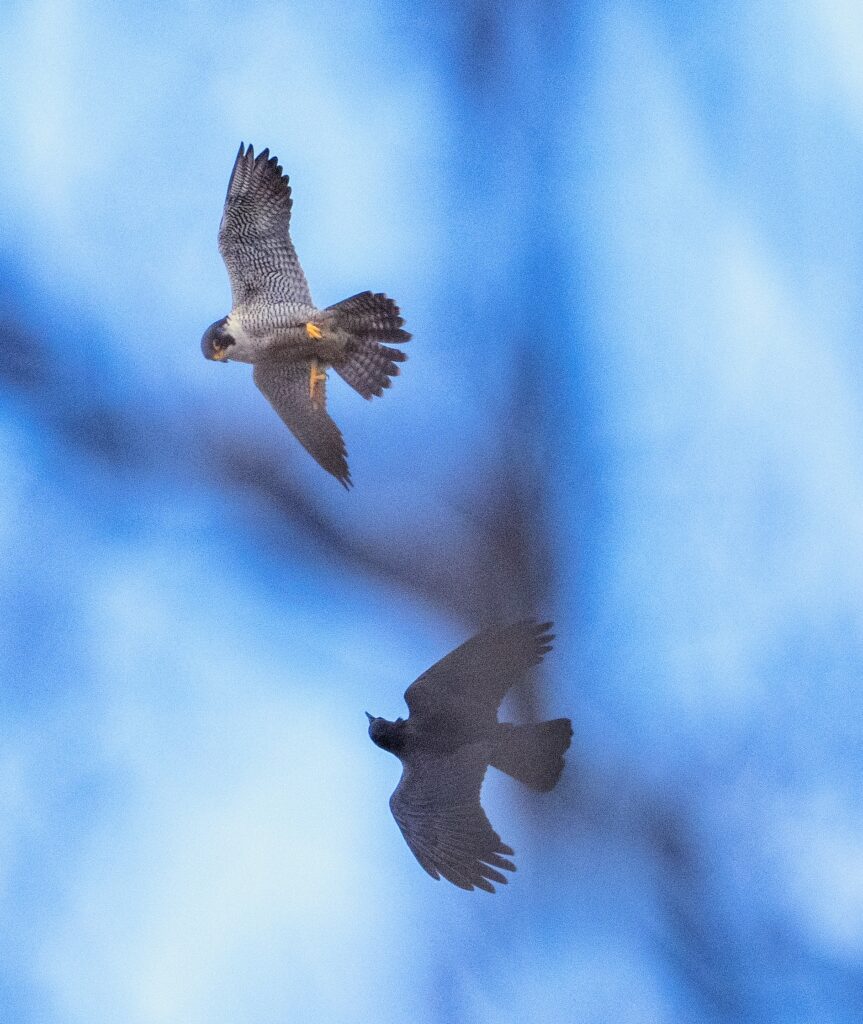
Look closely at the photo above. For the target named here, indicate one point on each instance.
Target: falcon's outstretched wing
(254, 239)
(436, 805)
(475, 677)
(286, 387)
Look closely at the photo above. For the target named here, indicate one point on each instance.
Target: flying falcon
(449, 739)
(275, 325)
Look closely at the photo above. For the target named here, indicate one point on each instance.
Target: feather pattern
(285, 385)
(437, 807)
(369, 367)
(474, 678)
(255, 240)
(370, 319)
(273, 323)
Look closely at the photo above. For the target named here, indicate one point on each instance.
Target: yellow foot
(315, 378)
(313, 330)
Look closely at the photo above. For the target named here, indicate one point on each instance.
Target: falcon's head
(385, 734)
(217, 341)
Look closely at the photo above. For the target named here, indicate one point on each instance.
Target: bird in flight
(275, 325)
(449, 739)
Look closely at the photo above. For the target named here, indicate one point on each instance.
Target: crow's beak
(371, 718)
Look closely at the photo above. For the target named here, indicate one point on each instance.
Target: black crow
(449, 739)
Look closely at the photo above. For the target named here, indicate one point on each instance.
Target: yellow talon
(315, 377)
(313, 330)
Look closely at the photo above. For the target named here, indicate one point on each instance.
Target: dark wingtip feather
(456, 880)
(544, 638)
(493, 876)
(341, 472)
(500, 862)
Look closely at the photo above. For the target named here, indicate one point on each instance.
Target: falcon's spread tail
(370, 319)
(533, 754)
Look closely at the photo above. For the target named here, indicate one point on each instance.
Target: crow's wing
(436, 805)
(475, 677)
(254, 239)
(286, 387)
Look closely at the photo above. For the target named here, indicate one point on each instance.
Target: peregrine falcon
(449, 739)
(275, 325)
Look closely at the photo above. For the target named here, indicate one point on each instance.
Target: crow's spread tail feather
(533, 754)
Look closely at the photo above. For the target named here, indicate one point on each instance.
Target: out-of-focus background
(627, 239)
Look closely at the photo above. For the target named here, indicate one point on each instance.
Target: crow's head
(385, 734)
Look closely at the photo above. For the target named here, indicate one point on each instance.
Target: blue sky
(643, 223)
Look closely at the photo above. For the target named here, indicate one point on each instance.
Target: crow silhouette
(449, 739)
